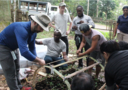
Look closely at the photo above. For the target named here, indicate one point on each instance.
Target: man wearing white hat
(61, 19)
(20, 35)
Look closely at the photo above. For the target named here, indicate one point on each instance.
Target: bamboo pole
(68, 62)
(86, 68)
(61, 76)
(103, 87)
(96, 61)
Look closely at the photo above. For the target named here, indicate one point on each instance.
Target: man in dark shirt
(116, 71)
(122, 26)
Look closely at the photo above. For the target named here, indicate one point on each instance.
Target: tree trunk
(14, 13)
(97, 9)
(88, 8)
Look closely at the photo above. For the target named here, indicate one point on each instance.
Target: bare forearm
(52, 25)
(88, 51)
(37, 59)
(39, 42)
(65, 58)
(116, 28)
(81, 45)
(40, 61)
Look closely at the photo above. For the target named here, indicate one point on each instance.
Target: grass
(45, 34)
(3, 25)
(106, 34)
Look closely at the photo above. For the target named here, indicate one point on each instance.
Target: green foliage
(5, 14)
(106, 6)
(106, 34)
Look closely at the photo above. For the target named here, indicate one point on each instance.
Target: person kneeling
(55, 47)
(82, 81)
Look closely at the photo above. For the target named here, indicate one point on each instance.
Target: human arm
(65, 56)
(81, 45)
(110, 87)
(74, 27)
(95, 40)
(64, 51)
(70, 26)
(31, 46)
(22, 37)
(52, 20)
(51, 25)
(109, 81)
(40, 61)
(115, 30)
(43, 42)
(116, 27)
(38, 42)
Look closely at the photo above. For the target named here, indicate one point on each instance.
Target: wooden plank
(103, 87)
(42, 74)
(86, 68)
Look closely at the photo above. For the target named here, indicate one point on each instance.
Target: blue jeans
(49, 59)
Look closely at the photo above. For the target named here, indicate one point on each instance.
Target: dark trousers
(10, 68)
(78, 39)
(65, 39)
(49, 59)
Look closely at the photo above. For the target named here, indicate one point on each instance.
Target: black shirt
(116, 70)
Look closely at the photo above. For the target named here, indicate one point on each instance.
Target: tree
(88, 8)
(107, 6)
(97, 9)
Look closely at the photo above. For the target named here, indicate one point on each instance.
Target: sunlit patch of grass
(45, 34)
(3, 25)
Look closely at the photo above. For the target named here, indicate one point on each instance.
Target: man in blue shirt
(122, 26)
(20, 35)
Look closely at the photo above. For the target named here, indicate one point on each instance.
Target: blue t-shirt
(123, 24)
(19, 35)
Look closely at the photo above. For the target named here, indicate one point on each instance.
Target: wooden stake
(69, 62)
(103, 87)
(86, 68)
(42, 74)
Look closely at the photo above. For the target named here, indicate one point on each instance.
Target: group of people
(22, 35)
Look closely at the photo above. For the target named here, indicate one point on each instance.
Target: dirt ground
(28, 82)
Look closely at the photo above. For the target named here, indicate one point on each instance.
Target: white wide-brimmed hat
(62, 4)
(43, 20)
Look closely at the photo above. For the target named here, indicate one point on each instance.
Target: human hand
(67, 32)
(78, 51)
(114, 34)
(38, 42)
(74, 27)
(80, 54)
(41, 62)
(81, 22)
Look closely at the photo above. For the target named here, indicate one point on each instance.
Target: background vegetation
(107, 9)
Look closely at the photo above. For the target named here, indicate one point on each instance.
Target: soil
(56, 83)
(97, 83)
(53, 83)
